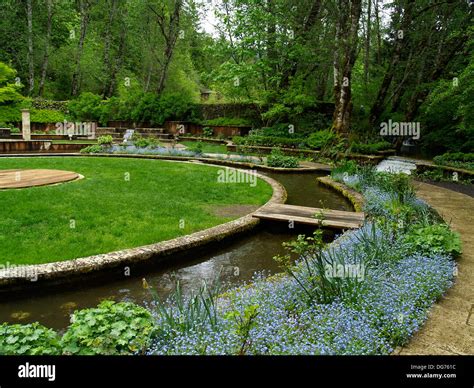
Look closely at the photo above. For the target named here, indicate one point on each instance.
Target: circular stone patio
(17, 179)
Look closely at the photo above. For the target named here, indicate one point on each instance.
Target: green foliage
(434, 239)
(227, 121)
(456, 159)
(243, 324)
(268, 141)
(87, 107)
(370, 148)
(313, 272)
(10, 113)
(283, 130)
(186, 315)
(448, 114)
(92, 149)
(157, 109)
(32, 339)
(105, 140)
(345, 168)
(278, 159)
(111, 328)
(9, 91)
(46, 116)
(207, 132)
(43, 104)
(144, 142)
(196, 147)
(322, 139)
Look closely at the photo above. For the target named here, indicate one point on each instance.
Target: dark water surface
(235, 262)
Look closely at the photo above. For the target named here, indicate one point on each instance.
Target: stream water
(235, 262)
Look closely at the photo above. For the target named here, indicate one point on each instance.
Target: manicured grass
(210, 148)
(160, 201)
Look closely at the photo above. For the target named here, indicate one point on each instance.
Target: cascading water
(396, 165)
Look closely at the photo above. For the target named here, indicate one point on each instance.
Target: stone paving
(449, 329)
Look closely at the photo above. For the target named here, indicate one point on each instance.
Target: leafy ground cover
(207, 147)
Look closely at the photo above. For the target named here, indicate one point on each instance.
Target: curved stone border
(27, 275)
(353, 196)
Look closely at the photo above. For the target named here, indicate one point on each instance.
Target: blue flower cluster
(389, 304)
(131, 149)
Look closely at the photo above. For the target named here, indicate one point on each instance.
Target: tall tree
(84, 10)
(31, 63)
(169, 23)
(347, 27)
(44, 66)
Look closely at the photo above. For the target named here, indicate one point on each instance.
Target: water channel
(235, 262)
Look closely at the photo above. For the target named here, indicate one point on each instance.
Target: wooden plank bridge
(337, 219)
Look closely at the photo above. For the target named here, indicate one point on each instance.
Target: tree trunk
(367, 44)
(107, 41)
(347, 37)
(171, 38)
(31, 64)
(118, 62)
(379, 37)
(84, 6)
(44, 67)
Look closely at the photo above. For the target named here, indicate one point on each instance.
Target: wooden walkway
(311, 216)
(16, 179)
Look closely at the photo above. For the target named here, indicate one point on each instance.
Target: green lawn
(207, 147)
(110, 212)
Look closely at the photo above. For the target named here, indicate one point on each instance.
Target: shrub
(208, 132)
(371, 148)
(47, 116)
(4, 125)
(321, 139)
(277, 159)
(345, 168)
(144, 142)
(9, 90)
(279, 130)
(32, 339)
(92, 149)
(111, 328)
(456, 159)
(434, 239)
(105, 140)
(227, 121)
(87, 107)
(267, 141)
(10, 113)
(157, 109)
(196, 148)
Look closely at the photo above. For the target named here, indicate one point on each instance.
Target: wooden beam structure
(337, 219)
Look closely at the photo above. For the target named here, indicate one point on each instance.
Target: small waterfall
(396, 165)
